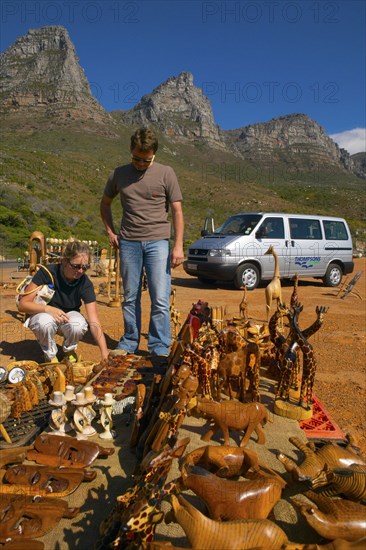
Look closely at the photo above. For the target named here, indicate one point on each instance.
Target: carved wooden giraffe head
(141, 525)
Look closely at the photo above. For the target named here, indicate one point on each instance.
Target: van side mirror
(204, 233)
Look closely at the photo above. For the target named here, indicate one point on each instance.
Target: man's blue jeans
(155, 258)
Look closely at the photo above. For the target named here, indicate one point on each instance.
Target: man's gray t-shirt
(145, 197)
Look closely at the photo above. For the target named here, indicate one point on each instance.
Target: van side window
(335, 230)
(301, 228)
(271, 228)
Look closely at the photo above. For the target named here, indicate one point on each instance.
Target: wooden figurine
(42, 515)
(223, 460)
(331, 454)
(338, 544)
(58, 413)
(142, 500)
(203, 532)
(227, 461)
(106, 416)
(234, 415)
(243, 306)
(43, 481)
(349, 482)
(273, 289)
(65, 452)
(229, 500)
(84, 414)
(333, 518)
(297, 340)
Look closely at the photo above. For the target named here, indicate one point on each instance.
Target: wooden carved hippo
(208, 534)
(235, 415)
(331, 454)
(334, 518)
(229, 500)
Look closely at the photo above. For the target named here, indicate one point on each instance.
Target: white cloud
(354, 141)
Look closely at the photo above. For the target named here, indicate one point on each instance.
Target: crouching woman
(62, 314)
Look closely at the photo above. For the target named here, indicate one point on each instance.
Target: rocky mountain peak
(179, 109)
(296, 136)
(41, 69)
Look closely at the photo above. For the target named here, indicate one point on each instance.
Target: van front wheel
(248, 275)
(333, 275)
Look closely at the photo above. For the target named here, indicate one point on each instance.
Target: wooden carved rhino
(235, 415)
(230, 500)
(208, 534)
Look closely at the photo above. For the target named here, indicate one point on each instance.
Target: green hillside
(52, 178)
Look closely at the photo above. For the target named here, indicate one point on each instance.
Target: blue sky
(253, 59)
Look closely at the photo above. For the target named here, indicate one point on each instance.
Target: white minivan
(310, 245)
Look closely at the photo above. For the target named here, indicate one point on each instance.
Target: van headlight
(219, 252)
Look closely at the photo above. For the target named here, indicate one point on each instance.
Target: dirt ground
(340, 345)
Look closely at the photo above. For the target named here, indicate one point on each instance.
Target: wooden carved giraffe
(243, 306)
(273, 289)
(230, 340)
(281, 346)
(294, 300)
(170, 420)
(299, 339)
(309, 363)
(201, 368)
(174, 315)
(149, 489)
(289, 357)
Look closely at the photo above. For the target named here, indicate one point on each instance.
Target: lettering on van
(307, 261)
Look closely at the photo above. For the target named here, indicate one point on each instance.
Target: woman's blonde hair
(76, 248)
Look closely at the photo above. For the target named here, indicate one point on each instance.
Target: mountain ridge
(59, 146)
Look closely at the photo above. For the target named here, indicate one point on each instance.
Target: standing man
(146, 189)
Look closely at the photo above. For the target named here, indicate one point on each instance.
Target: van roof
(310, 216)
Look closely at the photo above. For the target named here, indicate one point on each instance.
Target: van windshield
(241, 224)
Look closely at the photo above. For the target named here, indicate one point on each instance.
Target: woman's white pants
(45, 328)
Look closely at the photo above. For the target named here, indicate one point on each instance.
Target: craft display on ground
(213, 373)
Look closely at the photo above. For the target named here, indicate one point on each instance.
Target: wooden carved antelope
(350, 482)
(331, 454)
(208, 534)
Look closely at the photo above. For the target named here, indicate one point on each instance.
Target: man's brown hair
(144, 139)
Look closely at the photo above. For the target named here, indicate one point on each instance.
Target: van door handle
(292, 243)
(287, 243)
